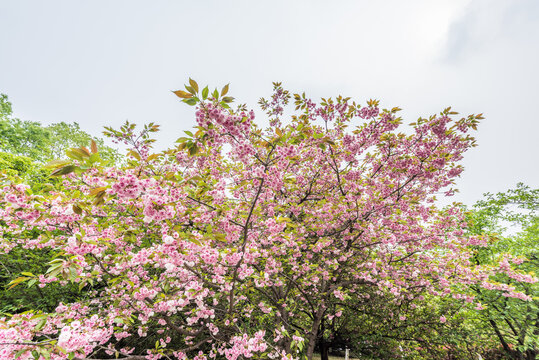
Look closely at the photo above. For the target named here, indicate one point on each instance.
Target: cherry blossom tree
(241, 241)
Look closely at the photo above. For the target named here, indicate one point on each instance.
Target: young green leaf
(205, 92)
(191, 101)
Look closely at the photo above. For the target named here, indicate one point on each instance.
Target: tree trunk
(323, 345)
(500, 337)
(281, 320)
(314, 330)
(324, 349)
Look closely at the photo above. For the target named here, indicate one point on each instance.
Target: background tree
(44, 143)
(64, 136)
(510, 220)
(25, 138)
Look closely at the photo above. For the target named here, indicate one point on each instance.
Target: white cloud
(102, 62)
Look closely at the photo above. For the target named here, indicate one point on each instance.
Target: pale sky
(102, 62)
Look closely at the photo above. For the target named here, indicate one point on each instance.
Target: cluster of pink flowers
(127, 187)
(368, 112)
(245, 346)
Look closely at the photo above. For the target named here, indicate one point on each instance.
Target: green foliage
(15, 164)
(21, 264)
(25, 138)
(511, 222)
(25, 146)
(13, 167)
(43, 143)
(5, 106)
(66, 136)
(373, 331)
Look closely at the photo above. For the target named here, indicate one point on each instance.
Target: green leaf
(193, 150)
(20, 352)
(55, 272)
(77, 154)
(55, 163)
(228, 99)
(46, 354)
(220, 237)
(191, 101)
(17, 281)
(73, 274)
(54, 267)
(74, 154)
(41, 324)
(64, 170)
(134, 154)
(95, 157)
(205, 92)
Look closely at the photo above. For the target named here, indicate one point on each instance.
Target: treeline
(24, 145)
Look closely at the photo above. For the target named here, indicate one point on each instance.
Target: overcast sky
(100, 63)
